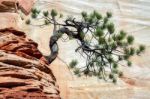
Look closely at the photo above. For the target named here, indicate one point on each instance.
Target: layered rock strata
(24, 72)
(13, 5)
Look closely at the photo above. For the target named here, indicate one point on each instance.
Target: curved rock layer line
(24, 72)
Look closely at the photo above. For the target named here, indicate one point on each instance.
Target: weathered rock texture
(24, 73)
(130, 15)
(9, 20)
(10, 16)
(14, 5)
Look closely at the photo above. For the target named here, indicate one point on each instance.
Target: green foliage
(130, 39)
(99, 32)
(35, 13)
(53, 13)
(110, 59)
(84, 14)
(28, 21)
(115, 65)
(121, 35)
(46, 22)
(120, 74)
(73, 63)
(114, 80)
(103, 48)
(132, 51)
(111, 28)
(105, 20)
(82, 35)
(45, 13)
(101, 40)
(129, 63)
(86, 72)
(109, 14)
(141, 48)
(111, 76)
(126, 51)
(97, 15)
(76, 71)
(120, 58)
(34, 16)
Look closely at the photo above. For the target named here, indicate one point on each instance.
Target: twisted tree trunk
(24, 72)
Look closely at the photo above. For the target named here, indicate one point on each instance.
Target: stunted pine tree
(103, 47)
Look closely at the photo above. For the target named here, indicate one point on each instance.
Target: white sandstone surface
(130, 15)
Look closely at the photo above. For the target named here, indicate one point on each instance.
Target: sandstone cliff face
(130, 15)
(24, 73)
(14, 5)
(10, 14)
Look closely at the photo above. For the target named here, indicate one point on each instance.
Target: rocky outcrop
(25, 5)
(24, 72)
(10, 16)
(8, 6)
(14, 5)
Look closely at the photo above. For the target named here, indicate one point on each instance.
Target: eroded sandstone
(14, 5)
(24, 72)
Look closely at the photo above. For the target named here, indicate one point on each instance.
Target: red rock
(26, 5)
(8, 5)
(17, 43)
(14, 5)
(24, 72)
(25, 95)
